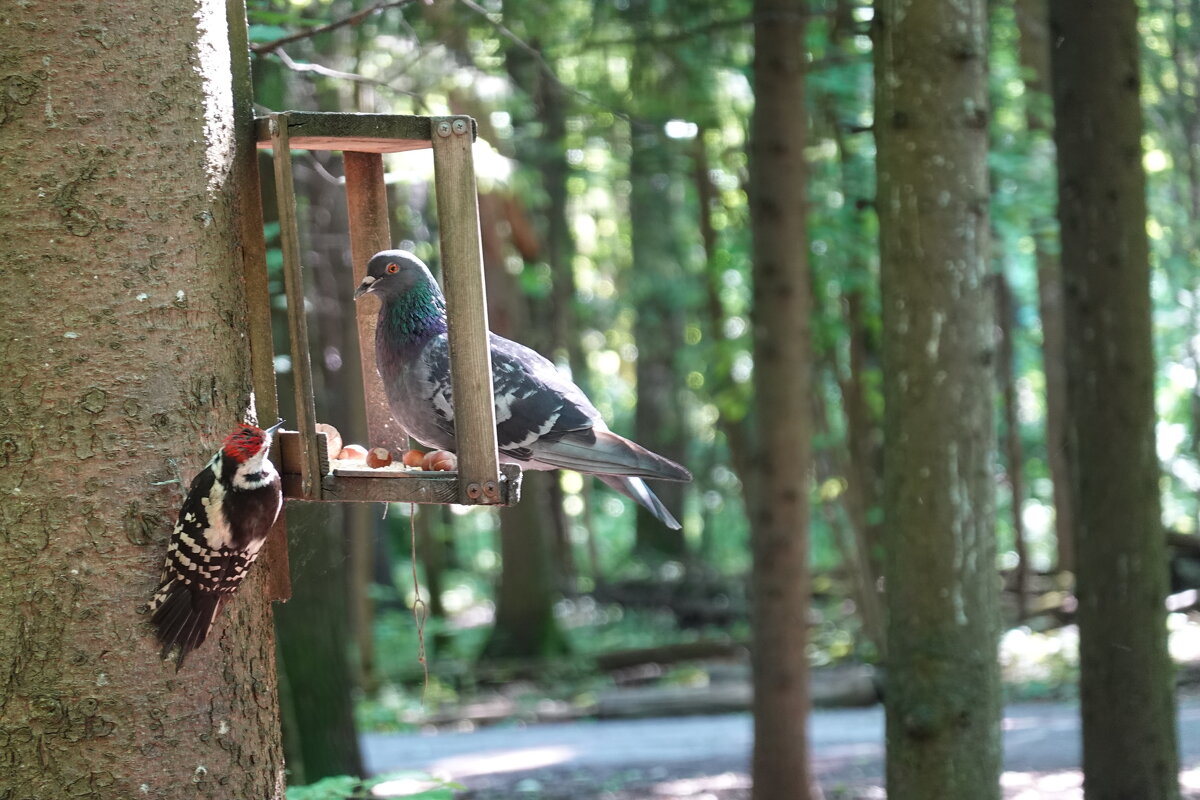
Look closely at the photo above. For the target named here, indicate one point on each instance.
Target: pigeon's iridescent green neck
(417, 314)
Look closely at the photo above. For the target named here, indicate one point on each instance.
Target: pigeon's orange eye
(393, 268)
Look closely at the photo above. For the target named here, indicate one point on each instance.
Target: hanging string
(420, 610)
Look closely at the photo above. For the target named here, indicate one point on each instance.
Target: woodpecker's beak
(271, 430)
(367, 285)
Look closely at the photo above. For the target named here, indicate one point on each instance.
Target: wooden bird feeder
(307, 472)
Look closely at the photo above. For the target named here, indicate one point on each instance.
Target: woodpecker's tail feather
(183, 616)
(637, 490)
(607, 454)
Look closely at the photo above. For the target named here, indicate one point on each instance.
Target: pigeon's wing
(534, 402)
(545, 420)
(435, 387)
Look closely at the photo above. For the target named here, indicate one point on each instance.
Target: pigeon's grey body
(543, 420)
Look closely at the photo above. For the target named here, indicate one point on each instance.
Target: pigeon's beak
(368, 283)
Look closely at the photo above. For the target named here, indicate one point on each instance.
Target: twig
(537, 56)
(420, 610)
(354, 19)
(328, 72)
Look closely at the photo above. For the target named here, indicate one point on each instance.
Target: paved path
(1041, 750)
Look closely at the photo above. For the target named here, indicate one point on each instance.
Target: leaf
(266, 33)
(336, 787)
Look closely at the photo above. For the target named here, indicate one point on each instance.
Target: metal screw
(491, 490)
(474, 491)
(443, 128)
(460, 126)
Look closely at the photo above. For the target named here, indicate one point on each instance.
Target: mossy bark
(1126, 687)
(943, 694)
(122, 312)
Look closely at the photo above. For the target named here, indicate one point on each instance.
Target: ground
(706, 757)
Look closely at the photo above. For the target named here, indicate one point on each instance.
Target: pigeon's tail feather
(608, 454)
(637, 490)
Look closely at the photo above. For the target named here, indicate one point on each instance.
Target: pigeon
(543, 420)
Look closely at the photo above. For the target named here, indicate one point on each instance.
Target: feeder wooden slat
(359, 483)
(370, 232)
(293, 280)
(466, 301)
(362, 133)
(362, 138)
(253, 252)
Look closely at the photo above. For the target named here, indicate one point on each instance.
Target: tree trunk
(126, 364)
(1129, 746)
(777, 488)
(314, 647)
(1014, 459)
(658, 330)
(943, 694)
(525, 625)
(540, 130)
(1034, 52)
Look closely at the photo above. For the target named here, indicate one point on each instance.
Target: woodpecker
(230, 507)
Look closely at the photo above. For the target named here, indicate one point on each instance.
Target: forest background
(680, 203)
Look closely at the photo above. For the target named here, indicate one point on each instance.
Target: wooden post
(289, 235)
(253, 252)
(370, 232)
(462, 274)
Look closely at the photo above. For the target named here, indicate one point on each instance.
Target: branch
(337, 73)
(537, 56)
(704, 29)
(354, 19)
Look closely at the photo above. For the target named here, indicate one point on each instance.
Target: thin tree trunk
(525, 625)
(541, 148)
(315, 644)
(943, 697)
(658, 330)
(123, 310)
(778, 487)
(1013, 452)
(1034, 51)
(863, 471)
(850, 543)
(1126, 686)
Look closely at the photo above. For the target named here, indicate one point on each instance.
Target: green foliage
(679, 70)
(412, 785)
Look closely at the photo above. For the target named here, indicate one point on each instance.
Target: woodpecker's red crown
(247, 441)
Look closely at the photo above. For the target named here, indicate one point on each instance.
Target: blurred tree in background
(615, 180)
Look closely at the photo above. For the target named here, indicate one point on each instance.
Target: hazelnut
(353, 452)
(378, 457)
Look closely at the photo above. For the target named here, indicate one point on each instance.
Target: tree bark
(943, 698)
(778, 486)
(1033, 48)
(123, 311)
(1129, 744)
(525, 626)
(658, 329)
(1014, 459)
(314, 647)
